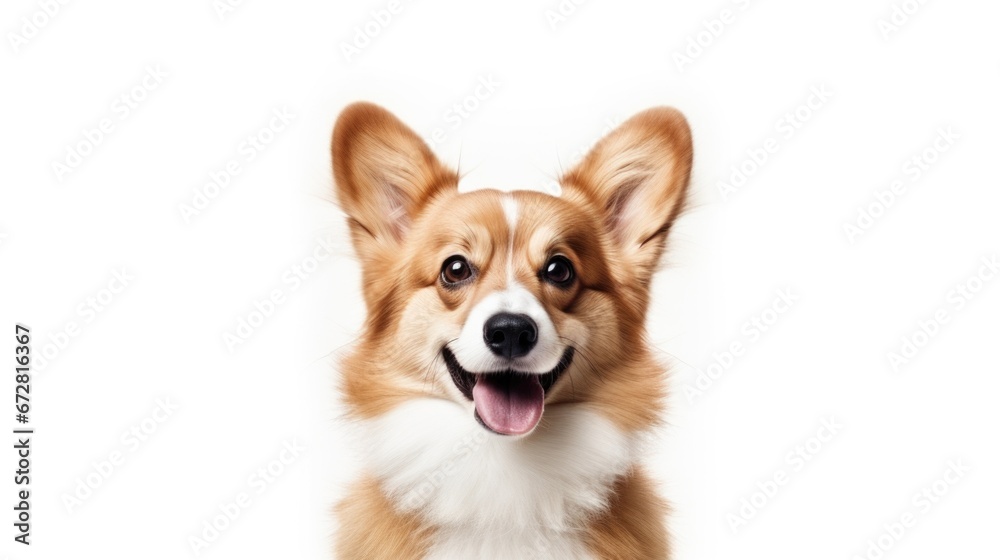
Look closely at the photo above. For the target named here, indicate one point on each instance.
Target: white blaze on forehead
(510, 212)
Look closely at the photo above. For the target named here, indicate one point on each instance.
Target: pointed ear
(636, 177)
(384, 173)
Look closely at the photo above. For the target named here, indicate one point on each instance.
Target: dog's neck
(434, 461)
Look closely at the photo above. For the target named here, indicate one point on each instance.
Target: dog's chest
(493, 497)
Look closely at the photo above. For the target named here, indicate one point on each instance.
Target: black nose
(510, 335)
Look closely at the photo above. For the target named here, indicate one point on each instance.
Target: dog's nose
(510, 335)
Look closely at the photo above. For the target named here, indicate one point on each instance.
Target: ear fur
(637, 177)
(384, 174)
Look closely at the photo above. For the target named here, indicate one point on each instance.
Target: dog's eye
(455, 270)
(558, 271)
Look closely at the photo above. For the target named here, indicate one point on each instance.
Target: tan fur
(371, 528)
(632, 528)
(406, 217)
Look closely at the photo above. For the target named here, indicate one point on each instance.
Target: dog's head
(506, 303)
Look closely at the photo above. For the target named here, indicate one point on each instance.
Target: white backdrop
(828, 303)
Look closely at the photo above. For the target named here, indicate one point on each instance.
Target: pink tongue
(509, 404)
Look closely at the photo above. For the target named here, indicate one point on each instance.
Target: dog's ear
(637, 177)
(384, 173)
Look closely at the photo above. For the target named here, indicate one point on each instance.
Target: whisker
(582, 352)
(674, 356)
(337, 349)
(428, 370)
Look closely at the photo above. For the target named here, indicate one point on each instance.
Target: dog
(502, 383)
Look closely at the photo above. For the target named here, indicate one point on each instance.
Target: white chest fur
(494, 497)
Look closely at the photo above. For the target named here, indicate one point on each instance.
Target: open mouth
(507, 402)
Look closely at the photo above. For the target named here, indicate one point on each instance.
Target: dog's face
(506, 303)
(507, 289)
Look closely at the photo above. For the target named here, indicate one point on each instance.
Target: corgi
(502, 384)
